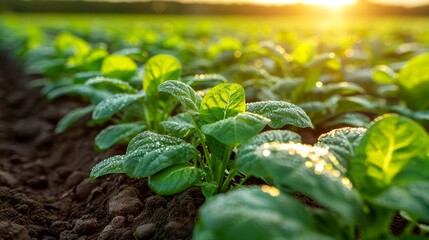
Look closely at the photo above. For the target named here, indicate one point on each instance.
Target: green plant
(360, 177)
(95, 87)
(217, 124)
(135, 109)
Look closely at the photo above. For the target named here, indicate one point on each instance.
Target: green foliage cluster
(213, 104)
(360, 177)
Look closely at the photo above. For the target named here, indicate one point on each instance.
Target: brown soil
(45, 192)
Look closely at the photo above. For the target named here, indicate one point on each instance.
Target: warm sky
(408, 3)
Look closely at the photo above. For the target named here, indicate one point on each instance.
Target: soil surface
(45, 192)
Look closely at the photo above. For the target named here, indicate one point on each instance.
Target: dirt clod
(7, 179)
(125, 203)
(85, 226)
(145, 231)
(12, 231)
(118, 222)
(59, 226)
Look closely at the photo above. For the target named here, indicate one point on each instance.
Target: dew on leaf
(317, 159)
(273, 191)
(266, 153)
(237, 54)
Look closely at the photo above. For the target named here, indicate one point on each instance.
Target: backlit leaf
(414, 82)
(384, 74)
(221, 102)
(159, 69)
(387, 147)
(70, 44)
(117, 66)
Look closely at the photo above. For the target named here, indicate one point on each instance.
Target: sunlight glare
(327, 3)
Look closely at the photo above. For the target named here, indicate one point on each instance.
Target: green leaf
(350, 119)
(72, 117)
(109, 106)
(247, 150)
(313, 171)
(415, 71)
(189, 99)
(82, 77)
(174, 179)
(117, 66)
(414, 82)
(342, 142)
(179, 126)
(209, 189)
(80, 90)
(384, 75)
(111, 82)
(70, 44)
(108, 166)
(388, 146)
(324, 59)
(304, 52)
(115, 133)
(281, 113)
(205, 80)
(221, 102)
(159, 69)
(343, 88)
(236, 130)
(149, 153)
(255, 213)
(358, 103)
(284, 136)
(412, 198)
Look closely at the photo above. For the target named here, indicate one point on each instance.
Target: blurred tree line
(171, 7)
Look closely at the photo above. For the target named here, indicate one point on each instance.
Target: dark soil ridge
(45, 192)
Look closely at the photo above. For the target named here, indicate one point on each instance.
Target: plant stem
(221, 170)
(228, 180)
(205, 149)
(409, 228)
(243, 180)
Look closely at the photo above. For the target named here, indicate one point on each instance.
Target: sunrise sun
(327, 3)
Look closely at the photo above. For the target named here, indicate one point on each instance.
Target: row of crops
(214, 102)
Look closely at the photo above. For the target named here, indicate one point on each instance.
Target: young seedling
(216, 124)
(360, 177)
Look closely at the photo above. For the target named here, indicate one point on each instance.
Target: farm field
(220, 127)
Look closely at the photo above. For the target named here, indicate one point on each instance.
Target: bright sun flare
(328, 3)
